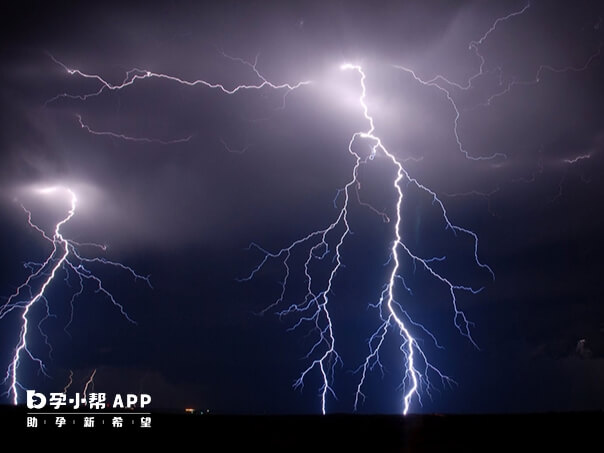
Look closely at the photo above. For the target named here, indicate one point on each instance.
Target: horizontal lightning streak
(129, 138)
(135, 74)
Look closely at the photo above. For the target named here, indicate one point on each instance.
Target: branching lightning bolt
(314, 308)
(65, 257)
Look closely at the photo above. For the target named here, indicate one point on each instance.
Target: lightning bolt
(65, 256)
(314, 308)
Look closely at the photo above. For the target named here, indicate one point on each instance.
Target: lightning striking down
(65, 257)
(314, 308)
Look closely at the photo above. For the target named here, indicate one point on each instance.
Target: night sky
(264, 166)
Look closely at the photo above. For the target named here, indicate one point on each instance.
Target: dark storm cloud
(187, 210)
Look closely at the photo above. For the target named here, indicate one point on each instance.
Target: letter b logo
(35, 400)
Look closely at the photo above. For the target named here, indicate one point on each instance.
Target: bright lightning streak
(64, 256)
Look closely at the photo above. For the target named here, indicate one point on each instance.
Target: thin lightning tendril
(89, 383)
(474, 46)
(233, 150)
(88, 129)
(449, 87)
(69, 382)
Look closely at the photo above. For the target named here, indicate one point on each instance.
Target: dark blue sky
(185, 213)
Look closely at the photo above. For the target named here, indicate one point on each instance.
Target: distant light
(190, 410)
